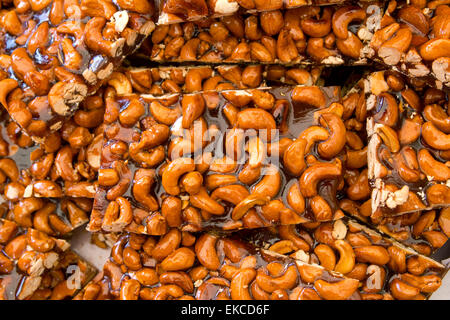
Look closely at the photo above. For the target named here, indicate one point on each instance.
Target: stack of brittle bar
(224, 149)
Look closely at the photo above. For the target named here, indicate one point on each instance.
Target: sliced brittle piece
(424, 231)
(55, 53)
(384, 267)
(189, 79)
(174, 11)
(208, 267)
(36, 266)
(409, 144)
(411, 38)
(165, 164)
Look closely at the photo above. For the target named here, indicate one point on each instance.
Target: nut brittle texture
(385, 268)
(206, 267)
(173, 11)
(31, 200)
(57, 217)
(412, 38)
(51, 186)
(408, 128)
(304, 35)
(55, 53)
(216, 166)
(179, 79)
(224, 149)
(69, 158)
(35, 266)
(424, 231)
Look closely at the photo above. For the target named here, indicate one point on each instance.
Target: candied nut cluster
(53, 217)
(42, 185)
(415, 38)
(425, 232)
(303, 35)
(249, 149)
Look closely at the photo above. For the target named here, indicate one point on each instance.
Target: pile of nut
(209, 146)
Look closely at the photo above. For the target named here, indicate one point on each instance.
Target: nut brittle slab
(424, 231)
(55, 53)
(383, 266)
(208, 267)
(409, 144)
(30, 197)
(220, 189)
(174, 11)
(37, 267)
(411, 38)
(163, 80)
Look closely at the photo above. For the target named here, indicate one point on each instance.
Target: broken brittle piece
(166, 164)
(409, 144)
(55, 53)
(36, 266)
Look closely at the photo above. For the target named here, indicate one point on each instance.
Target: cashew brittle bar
(35, 266)
(55, 53)
(174, 11)
(411, 38)
(385, 268)
(65, 164)
(182, 266)
(189, 79)
(310, 34)
(356, 183)
(408, 153)
(203, 179)
(51, 186)
(56, 217)
(424, 231)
